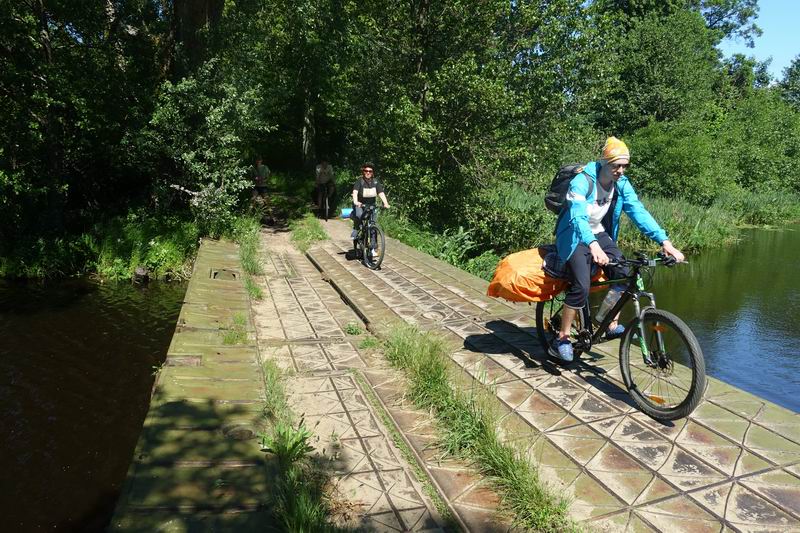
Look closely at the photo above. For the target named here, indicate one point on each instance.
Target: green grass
(353, 328)
(246, 233)
(469, 424)
(306, 231)
(236, 333)
(369, 343)
(252, 288)
(455, 247)
(299, 498)
(111, 249)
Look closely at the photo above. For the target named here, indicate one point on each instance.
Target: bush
(508, 218)
(484, 265)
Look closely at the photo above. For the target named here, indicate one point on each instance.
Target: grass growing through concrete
(352, 328)
(246, 234)
(306, 231)
(469, 425)
(253, 290)
(300, 500)
(237, 330)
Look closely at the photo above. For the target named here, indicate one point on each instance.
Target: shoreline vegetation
(165, 246)
(465, 129)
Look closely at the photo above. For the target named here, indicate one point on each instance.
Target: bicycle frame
(367, 219)
(634, 291)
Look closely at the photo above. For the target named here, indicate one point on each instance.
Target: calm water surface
(743, 303)
(76, 361)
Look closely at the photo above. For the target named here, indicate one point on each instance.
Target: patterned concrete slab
(300, 324)
(734, 464)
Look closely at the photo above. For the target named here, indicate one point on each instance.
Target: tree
(790, 84)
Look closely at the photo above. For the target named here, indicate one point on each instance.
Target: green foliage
(690, 227)
(679, 159)
(276, 406)
(253, 290)
(236, 332)
(369, 343)
(353, 329)
(306, 231)
(298, 489)
(466, 109)
(287, 443)
(767, 207)
(246, 232)
(790, 84)
(509, 218)
(483, 265)
(162, 245)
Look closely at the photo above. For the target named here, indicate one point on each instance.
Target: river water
(76, 363)
(743, 304)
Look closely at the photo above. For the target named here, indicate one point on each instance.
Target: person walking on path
(588, 227)
(325, 183)
(259, 174)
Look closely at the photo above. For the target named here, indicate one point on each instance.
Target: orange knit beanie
(615, 149)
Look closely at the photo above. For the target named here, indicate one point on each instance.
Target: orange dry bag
(519, 277)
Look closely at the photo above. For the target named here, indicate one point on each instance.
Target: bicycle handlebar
(642, 260)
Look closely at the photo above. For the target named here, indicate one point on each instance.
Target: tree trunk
(190, 18)
(309, 132)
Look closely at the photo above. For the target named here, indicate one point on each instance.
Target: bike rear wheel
(662, 365)
(548, 324)
(374, 246)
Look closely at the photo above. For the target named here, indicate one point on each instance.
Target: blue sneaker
(563, 348)
(615, 333)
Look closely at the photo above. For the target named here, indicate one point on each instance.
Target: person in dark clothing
(365, 191)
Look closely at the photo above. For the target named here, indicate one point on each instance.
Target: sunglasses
(367, 170)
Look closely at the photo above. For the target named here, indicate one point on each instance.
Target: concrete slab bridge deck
(733, 465)
(198, 465)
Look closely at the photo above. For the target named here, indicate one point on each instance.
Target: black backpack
(556, 195)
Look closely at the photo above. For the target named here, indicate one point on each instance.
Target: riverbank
(518, 222)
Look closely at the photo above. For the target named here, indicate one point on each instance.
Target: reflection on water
(76, 363)
(743, 303)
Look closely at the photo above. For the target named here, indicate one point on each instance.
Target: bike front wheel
(662, 365)
(374, 247)
(548, 324)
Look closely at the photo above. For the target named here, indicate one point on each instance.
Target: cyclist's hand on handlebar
(358, 204)
(670, 250)
(598, 255)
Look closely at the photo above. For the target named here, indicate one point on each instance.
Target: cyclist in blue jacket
(587, 230)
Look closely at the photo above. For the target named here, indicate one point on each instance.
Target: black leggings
(580, 265)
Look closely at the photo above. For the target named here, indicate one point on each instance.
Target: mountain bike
(660, 359)
(370, 243)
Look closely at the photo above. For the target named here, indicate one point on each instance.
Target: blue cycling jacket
(573, 223)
